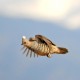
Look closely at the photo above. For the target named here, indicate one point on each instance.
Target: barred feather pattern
(42, 48)
(37, 48)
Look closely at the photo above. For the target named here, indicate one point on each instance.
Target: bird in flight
(41, 46)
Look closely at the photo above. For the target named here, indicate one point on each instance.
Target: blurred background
(59, 20)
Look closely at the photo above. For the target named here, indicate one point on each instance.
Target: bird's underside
(41, 46)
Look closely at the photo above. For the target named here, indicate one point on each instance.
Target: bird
(41, 46)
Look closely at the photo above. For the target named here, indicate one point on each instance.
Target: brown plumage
(40, 45)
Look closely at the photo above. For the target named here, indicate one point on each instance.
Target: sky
(59, 20)
(64, 12)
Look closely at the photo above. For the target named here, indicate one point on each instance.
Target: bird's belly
(41, 53)
(40, 49)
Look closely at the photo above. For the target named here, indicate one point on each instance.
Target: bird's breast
(40, 48)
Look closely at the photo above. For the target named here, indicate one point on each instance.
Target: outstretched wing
(43, 39)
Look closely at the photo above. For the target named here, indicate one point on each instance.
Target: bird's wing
(43, 39)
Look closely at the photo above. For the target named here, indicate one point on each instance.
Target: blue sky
(16, 66)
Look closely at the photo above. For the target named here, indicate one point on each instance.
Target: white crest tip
(24, 37)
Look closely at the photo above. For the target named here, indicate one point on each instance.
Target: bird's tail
(63, 50)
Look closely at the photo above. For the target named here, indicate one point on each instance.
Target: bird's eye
(24, 43)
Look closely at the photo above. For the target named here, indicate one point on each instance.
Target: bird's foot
(49, 55)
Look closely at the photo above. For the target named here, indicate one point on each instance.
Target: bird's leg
(49, 55)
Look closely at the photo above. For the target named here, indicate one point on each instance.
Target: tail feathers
(63, 50)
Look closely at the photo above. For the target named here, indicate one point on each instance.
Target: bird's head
(25, 41)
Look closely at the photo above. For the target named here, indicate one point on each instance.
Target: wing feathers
(43, 39)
